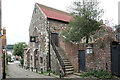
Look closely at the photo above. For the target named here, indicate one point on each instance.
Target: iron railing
(58, 56)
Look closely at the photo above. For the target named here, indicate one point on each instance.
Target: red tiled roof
(55, 15)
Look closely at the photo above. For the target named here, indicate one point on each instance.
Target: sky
(16, 15)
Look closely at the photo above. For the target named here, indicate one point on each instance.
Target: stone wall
(57, 26)
(55, 65)
(39, 27)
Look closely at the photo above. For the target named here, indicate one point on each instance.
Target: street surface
(15, 71)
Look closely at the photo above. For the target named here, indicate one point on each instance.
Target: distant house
(10, 47)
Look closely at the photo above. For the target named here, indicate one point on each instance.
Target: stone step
(66, 67)
(70, 69)
(65, 60)
(69, 72)
(67, 64)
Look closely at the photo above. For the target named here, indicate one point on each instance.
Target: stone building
(36, 54)
(68, 57)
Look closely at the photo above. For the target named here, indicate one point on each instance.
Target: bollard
(49, 71)
(41, 71)
(60, 73)
(32, 69)
(36, 70)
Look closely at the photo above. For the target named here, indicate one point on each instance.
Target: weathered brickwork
(99, 59)
(101, 56)
(71, 51)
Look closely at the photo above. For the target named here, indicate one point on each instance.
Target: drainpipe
(49, 50)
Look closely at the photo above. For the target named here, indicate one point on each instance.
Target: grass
(45, 73)
(101, 74)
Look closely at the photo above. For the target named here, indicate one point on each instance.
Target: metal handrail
(58, 56)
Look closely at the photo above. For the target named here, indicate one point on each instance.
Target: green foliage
(84, 43)
(2, 56)
(44, 73)
(19, 48)
(8, 58)
(22, 61)
(84, 22)
(101, 74)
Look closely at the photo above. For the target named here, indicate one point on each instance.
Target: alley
(15, 71)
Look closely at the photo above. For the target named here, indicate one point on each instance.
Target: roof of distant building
(108, 28)
(55, 14)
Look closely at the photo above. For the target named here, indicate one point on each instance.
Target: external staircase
(63, 60)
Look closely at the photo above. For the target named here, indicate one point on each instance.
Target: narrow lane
(15, 71)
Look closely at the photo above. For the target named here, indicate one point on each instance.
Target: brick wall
(71, 51)
(99, 59)
(101, 56)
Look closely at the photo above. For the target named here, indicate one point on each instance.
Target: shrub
(101, 74)
(9, 58)
(22, 61)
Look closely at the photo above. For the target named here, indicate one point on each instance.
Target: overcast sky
(16, 15)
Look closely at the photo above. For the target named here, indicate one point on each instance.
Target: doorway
(81, 60)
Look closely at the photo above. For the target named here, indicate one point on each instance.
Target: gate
(115, 58)
(81, 60)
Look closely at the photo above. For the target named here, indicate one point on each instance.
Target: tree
(19, 48)
(84, 22)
